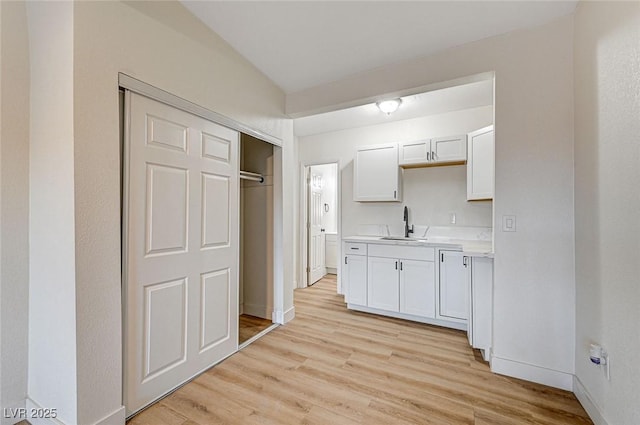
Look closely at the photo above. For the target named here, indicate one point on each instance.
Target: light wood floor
(250, 326)
(333, 366)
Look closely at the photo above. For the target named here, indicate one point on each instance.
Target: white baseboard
(332, 270)
(114, 418)
(289, 314)
(533, 373)
(40, 421)
(241, 309)
(586, 400)
(14, 413)
(281, 317)
(256, 310)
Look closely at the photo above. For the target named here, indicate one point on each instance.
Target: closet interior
(256, 237)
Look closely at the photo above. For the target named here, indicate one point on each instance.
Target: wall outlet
(452, 218)
(508, 223)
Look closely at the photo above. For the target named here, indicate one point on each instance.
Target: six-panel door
(181, 248)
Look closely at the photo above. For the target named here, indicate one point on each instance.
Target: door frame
(303, 278)
(130, 84)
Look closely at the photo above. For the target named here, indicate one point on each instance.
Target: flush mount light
(389, 106)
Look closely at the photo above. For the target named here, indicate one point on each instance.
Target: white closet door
(181, 247)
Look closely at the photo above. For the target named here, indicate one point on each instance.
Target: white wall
(607, 199)
(534, 293)
(14, 205)
(52, 291)
(431, 193)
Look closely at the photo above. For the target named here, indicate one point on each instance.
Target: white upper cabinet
(480, 164)
(442, 150)
(449, 149)
(415, 153)
(376, 175)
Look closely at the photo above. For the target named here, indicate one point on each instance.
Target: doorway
(321, 218)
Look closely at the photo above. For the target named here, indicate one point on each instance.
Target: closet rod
(252, 178)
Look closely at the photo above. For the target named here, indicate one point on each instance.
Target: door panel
(383, 289)
(181, 247)
(454, 285)
(316, 233)
(418, 288)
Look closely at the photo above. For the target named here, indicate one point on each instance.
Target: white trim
(22, 404)
(411, 317)
(587, 402)
(533, 373)
(114, 418)
(282, 317)
(258, 336)
(30, 404)
(290, 314)
(137, 86)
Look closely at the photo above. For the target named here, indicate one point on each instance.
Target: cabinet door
(414, 153)
(355, 273)
(376, 174)
(455, 276)
(480, 164)
(481, 302)
(449, 149)
(418, 288)
(383, 288)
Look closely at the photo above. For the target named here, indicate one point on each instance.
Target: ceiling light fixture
(389, 106)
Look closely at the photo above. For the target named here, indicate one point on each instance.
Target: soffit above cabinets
(303, 44)
(434, 102)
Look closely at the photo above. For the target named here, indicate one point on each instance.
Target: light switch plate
(508, 223)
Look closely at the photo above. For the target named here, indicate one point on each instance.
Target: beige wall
(607, 199)
(256, 243)
(160, 44)
(534, 293)
(14, 204)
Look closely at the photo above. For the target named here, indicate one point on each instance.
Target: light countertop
(473, 248)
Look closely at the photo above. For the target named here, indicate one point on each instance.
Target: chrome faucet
(407, 230)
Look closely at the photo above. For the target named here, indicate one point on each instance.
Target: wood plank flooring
(334, 366)
(250, 326)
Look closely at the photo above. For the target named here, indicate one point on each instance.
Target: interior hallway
(332, 365)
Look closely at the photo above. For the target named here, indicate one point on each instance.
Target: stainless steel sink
(399, 238)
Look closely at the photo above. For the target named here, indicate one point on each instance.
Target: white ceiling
(302, 44)
(430, 103)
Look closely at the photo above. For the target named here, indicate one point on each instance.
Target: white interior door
(181, 248)
(316, 233)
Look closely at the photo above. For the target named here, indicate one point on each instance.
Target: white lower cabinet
(355, 278)
(418, 288)
(455, 278)
(383, 286)
(481, 289)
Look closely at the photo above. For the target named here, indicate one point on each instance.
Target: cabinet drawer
(406, 252)
(355, 248)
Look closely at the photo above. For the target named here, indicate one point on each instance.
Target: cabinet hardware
(464, 261)
(442, 257)
(394, 194)
(345, 260)
(433, 156)
(355, 248)
(396, 265)
(400, 265)
(322, 230)
(428, 156)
